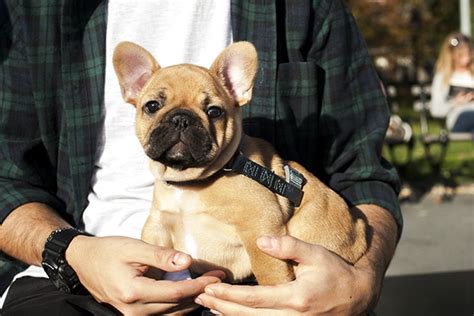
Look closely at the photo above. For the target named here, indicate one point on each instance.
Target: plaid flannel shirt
(317, 98)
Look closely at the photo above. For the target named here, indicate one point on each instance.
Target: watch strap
(60, 272)
(59, 239)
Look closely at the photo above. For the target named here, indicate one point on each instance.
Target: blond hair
(445, 64)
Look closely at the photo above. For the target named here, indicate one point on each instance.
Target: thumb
(289, 248)
(166, 259)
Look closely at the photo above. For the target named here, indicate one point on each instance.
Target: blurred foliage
(406, 28)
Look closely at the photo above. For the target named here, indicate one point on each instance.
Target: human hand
(113, 271)
(325, 285)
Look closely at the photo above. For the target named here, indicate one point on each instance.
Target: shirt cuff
(14, 195)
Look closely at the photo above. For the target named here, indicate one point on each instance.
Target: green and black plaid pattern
(51, 94)
(319, 99)
(316, 97)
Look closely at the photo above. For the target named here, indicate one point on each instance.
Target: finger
(277, 296)
(183, 308)
(166, 259)
(152, 291)
(223, 307)
(289, 248)
(216, 273)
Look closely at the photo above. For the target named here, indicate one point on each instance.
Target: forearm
(382, 241)
(24, 232)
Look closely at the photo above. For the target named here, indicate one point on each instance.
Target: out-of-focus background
(432, 272)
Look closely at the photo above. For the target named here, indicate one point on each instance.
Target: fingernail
(198, 300)
(266, 242)
(179, 259)
(215, 312)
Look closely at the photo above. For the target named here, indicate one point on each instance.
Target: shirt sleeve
(440, 106)
(26, 171)
(354, 114)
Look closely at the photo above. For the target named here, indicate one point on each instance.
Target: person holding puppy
(70, 157)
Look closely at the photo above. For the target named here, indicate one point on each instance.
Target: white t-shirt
(174, 32)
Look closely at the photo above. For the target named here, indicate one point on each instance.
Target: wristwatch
(54, 261)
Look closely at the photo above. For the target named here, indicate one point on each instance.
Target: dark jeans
(37, 296)
(464, 123)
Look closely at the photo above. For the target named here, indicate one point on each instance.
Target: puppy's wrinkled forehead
(186, 85)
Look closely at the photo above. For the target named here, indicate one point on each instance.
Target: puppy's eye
(152, 106)
(214, 112)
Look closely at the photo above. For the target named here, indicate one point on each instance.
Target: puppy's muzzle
(180, 141)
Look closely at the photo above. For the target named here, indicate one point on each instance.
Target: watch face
(54, 263)
(53, 270)
(49, 269)
(54, 276)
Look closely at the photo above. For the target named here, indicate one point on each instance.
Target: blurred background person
(452, 92)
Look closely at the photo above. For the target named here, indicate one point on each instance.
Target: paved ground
(432, 272)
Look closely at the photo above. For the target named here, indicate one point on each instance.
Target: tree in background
(407, 34)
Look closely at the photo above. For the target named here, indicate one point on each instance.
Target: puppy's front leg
(267, 270)
(154, 233)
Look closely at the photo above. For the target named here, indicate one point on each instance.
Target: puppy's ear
(236, 67)
(134, 66)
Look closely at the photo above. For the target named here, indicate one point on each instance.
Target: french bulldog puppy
(189, 123)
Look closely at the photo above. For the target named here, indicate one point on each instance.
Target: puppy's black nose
(181, 121)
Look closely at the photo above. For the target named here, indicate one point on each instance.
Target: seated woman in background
(452, 91)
